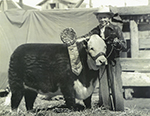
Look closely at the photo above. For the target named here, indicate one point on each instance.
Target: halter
(98, 55)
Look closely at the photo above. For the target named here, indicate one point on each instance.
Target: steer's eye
(92, 49)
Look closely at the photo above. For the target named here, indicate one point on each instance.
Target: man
(111, 96)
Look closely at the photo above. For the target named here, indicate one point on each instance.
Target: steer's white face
(95, 46)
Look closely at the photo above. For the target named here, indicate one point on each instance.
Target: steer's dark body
(45, 68)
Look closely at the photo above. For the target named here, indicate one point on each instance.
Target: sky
(97, 3)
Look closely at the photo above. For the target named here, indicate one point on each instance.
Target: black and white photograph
(74, 57)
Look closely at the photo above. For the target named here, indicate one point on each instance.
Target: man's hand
(116, 42)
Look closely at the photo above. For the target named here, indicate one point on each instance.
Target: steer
(45, 68)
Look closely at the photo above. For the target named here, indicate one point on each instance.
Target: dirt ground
(134, 107)
(138, 103)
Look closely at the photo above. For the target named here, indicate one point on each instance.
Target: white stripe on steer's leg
(83, 92)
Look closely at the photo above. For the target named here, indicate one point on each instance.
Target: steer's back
(39, 66)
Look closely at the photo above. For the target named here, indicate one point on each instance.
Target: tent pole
(90, 3)
(21, 3)
(4, 5)
(17, 5)
(79, 3)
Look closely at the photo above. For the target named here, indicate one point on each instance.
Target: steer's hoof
(77, 107)
(61, 110)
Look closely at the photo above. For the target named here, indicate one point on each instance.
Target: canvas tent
(19, 26)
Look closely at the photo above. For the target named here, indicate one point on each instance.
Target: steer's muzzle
(101, 60)
(95, 62)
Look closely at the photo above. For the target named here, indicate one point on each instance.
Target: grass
(52, 108)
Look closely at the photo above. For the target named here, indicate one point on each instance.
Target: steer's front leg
(69, 95)
(87, 102)
(70, 102)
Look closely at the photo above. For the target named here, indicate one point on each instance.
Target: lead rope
(105, 66)
(109, 83)
(110, 52)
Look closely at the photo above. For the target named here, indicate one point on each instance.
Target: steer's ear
(87, 39)
(85, 43)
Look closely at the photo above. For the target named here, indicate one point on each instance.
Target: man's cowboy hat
(104, 11)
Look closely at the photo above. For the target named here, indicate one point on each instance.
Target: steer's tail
(15, 80)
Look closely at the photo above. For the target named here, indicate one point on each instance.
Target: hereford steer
(44, 68)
